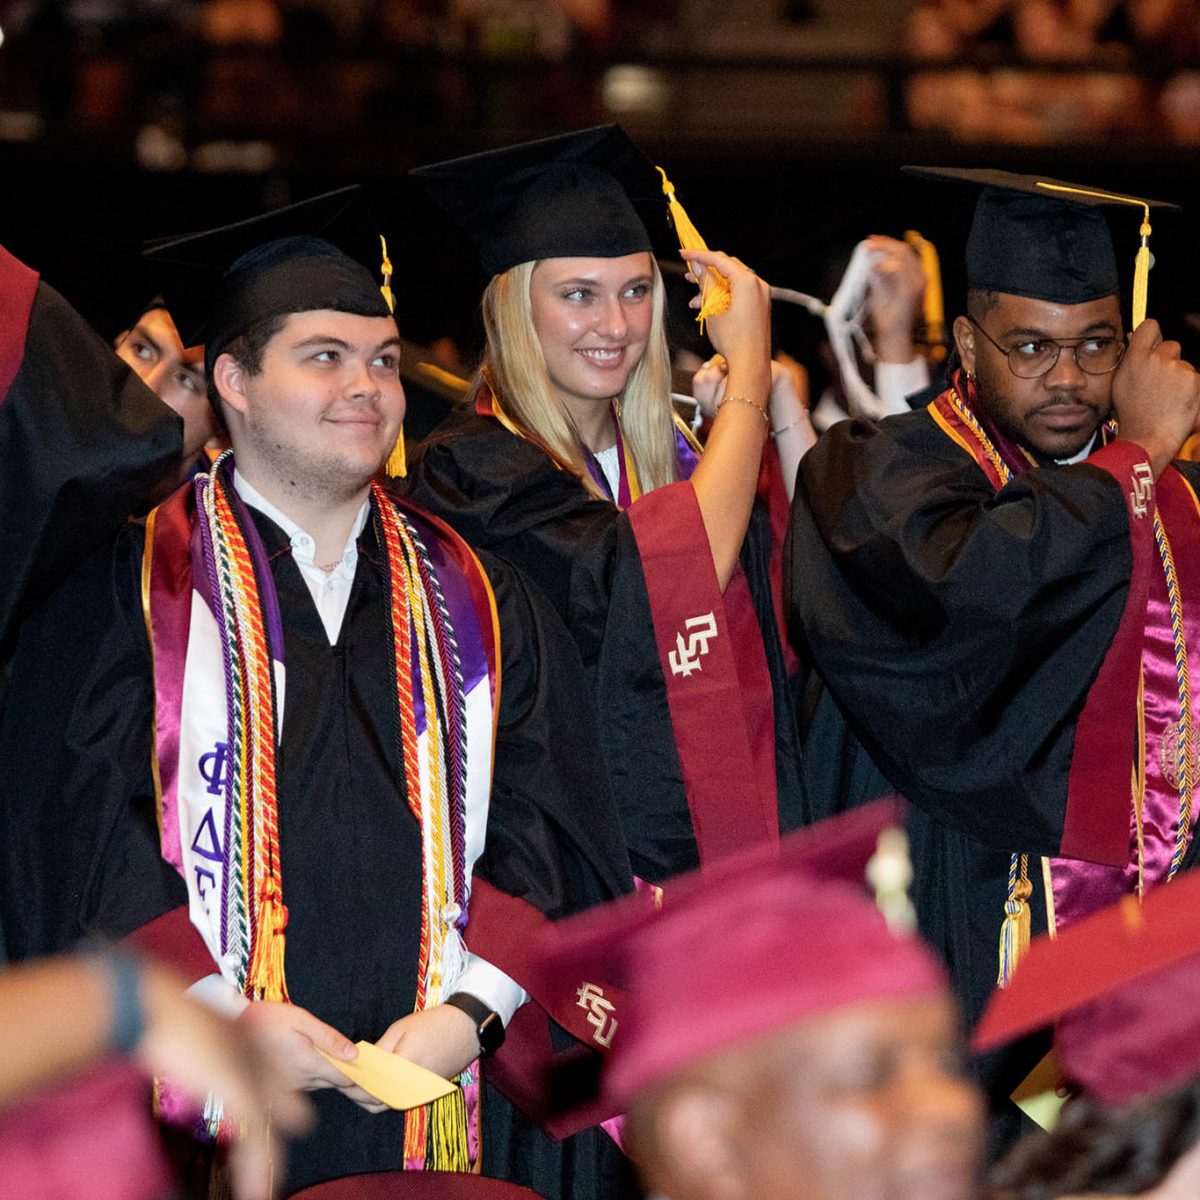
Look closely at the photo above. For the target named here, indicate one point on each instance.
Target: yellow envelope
(394, 1080)
(1039, 1096)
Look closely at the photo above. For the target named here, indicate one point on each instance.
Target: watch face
(490, 1033)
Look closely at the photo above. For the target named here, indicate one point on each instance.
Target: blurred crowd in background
(219, 84)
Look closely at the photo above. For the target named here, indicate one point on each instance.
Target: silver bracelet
(757, 407)
(794, 425)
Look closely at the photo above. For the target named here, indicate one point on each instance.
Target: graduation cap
(1048, 240)
(301, 258)
(761, 943)
(569, 196)
(1123, 986)
(304, 257)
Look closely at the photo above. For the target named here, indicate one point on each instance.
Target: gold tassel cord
(266, 968)
(385, 269)
(1143, 261)
(1015, 930)
(934, 304)
(397, 460)
(447, 1134)
(714, 289)
(1141, 274)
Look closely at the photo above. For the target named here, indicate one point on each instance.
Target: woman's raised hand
(742, 334)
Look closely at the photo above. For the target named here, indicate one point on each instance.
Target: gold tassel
(385, 269)
(267, 980)
(397, 462)
(935, 307)
(1141, 273)
(714, 290)
(447, 1138)
(1015, 931)
(1141, 265)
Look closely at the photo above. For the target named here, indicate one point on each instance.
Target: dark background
(783, 127)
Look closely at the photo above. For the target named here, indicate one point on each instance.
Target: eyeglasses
(1036, 357)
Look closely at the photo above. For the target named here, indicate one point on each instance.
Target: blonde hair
(515, 367)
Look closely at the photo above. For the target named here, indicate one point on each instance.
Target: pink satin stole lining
(1082, 887)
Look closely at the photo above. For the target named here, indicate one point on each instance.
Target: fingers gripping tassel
(714, 288)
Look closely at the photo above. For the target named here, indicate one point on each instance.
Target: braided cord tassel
(435, 1137)
(265, 978)
(414, 1120)
(1015, 930)
(1184, 756)
(1016, 927)
(235, 912)
(1003, 470)
(452, 713)
(447, 1145)
(435, 825)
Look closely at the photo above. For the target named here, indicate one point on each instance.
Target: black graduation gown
(505, 494)
(81, 851)
(83, 441)
(951, 637)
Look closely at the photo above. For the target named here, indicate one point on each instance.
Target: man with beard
(997, 593)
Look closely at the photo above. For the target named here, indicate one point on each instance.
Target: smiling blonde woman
(568, 460)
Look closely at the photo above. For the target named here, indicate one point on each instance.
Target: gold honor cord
(1141, 265)
(397, 462)
(934, 303)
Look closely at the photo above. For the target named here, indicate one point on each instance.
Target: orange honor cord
(265, 979)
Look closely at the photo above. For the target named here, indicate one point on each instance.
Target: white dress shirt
(610, 464)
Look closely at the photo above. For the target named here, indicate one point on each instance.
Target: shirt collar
(303, 546)
(1078, 458)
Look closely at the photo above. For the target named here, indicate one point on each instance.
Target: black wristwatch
(489, 1029)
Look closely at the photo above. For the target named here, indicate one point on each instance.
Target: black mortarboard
(297, 259)
(570, 196)
(1043, 238)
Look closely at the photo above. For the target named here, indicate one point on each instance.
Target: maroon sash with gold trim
(1096, 825)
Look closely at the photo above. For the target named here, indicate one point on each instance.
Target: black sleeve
(505, 495)
(554, 839)
(958, 629)
(80, 844)
(83, 443)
